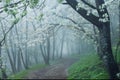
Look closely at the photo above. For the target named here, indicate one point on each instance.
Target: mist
(59, 39)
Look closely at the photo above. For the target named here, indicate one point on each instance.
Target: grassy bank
(89, 67)
(118, 54)
(23, 73)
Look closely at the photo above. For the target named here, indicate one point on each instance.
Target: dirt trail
(55, 71)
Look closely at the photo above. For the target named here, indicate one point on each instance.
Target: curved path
(55, 71)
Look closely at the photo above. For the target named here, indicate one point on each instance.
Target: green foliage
(12, 12)
(7, 1)
(118, 54)
(5, 9)
(33, 3)
(89, 67)
(23, 73)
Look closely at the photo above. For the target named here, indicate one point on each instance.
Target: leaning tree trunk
(105, 40)
(107, 56)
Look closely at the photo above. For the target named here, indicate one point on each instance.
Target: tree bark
(106, 51)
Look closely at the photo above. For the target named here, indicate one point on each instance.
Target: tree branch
(102, 10)
(80, 28)
(90, 5)
(5, 34)
(11, 5)
(91, 17)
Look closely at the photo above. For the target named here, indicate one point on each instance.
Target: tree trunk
(3, 71)
(22, 58)
(48, 51)
(107, 56)
(54, 41)
(13, 50)
(98, 51)
(19, 65)
(43, 54)
(62, 43)
(26, 48)
(10, 59)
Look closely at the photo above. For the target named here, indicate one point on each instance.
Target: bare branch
(90, 5)
(11, 5)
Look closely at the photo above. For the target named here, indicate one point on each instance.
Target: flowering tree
(102, 22)
(37, 26)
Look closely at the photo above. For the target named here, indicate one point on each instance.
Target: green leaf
(13, 12)
(7, 1)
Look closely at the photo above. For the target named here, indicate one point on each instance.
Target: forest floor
(54, 71)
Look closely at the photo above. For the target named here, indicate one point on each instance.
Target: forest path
(54, 71)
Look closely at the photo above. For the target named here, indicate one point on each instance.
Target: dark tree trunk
(105, 41)
(48, 51)
(107, 56)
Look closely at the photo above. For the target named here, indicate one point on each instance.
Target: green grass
(23, 73)
(118, 54)
(89, 67)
